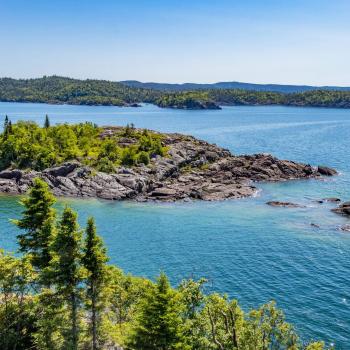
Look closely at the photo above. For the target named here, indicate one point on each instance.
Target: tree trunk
(74, 330)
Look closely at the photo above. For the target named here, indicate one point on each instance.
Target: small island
(126, 163)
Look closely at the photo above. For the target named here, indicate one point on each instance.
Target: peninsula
(119, 163)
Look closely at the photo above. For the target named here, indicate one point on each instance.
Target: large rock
(11, 174)
(326, 171)
(343, 209)
(163, 192)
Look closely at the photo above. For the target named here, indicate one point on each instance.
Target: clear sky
(261, 41)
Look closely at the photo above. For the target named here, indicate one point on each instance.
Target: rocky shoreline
(192, 169)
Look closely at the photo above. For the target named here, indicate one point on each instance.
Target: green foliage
(29, 146)
(193, 300)
(7, 127)
(158, 324)
(17, 317)
(208, 99)
(123, 294)
(51, 320)
(38, 224)
(56, 89)
(66, 271)
(94, 260)
(47, 122)
(143, 158)
(187, 100)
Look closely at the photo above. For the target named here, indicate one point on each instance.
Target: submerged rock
(284, 204)
(331, 200)
(192, 169)
(345, 228)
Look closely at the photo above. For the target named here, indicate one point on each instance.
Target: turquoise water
(245, 248)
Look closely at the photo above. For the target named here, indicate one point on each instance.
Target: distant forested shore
(62, 90)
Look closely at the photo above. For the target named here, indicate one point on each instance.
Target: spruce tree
(6, 122)
(47, 122)
(159, 324)
(38, 223)
(66, 270)
(94, 261)
(6, 127)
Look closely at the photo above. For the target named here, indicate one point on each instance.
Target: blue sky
(261, 41)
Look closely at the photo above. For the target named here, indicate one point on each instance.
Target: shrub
(143, 158)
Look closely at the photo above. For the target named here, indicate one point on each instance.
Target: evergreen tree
(38, 223)
(159, 324)
(6, 123)
(6, 127)
(66, 270)
(47, 122)
(94, 260)
(9, 128)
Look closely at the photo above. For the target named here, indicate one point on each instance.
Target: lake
(244, 248)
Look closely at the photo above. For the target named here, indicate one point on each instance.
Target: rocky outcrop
(343, 209)
(193, 169)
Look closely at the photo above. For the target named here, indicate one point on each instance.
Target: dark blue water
(245, 248)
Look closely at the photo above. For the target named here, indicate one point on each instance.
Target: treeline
(62, 294)
(56, 89)
(26, 145)
(229, 97)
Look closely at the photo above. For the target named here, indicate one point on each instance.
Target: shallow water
(245, 248)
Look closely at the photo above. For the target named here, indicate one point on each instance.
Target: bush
(129, 156)
(143, 158)
(105, 165)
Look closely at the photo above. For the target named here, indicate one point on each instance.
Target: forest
(236, 97)
(26, 145)
(60, 292)
(60, 90)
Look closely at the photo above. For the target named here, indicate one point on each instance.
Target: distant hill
(231, 85)
(57, 89)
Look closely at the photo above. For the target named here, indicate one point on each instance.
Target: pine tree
(159, 324)
(94, 261)
(6, 127)
(38, 223)
(66, 270)
(47, 122)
